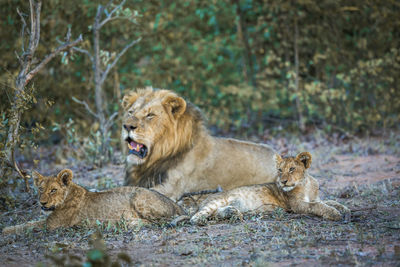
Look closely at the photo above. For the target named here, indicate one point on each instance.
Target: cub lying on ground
(294, 190)
(70, 204)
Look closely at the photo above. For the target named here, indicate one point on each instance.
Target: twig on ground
(364, 209)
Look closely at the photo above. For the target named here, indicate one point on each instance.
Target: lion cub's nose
(284, 181)
(129, 127)
(43, 203)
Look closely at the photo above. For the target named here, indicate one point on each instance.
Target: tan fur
(294, 189)
(182, 156)
(72, 204)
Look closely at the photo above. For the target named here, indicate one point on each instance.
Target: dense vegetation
(250, 65)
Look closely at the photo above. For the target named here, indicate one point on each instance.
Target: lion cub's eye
(41, 189)
(279, 170)
(53, 191)
(291, 169)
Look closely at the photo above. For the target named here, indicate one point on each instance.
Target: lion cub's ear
(129, 99)
(278, 159)
(37, 178)
(305, 158)
(175, 104)
(65, 177)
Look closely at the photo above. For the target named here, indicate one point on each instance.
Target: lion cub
(294, 189)
(70, 204)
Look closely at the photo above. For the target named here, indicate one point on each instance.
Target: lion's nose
(43, 203)
(129, 127)
(284, 181)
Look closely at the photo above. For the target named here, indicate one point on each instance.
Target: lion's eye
(41, 189)
(53, 191)
(150, 116)
(279, 170)
(291, 169)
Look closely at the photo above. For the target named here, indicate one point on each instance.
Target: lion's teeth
(130, 146)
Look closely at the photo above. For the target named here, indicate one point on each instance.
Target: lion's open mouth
(48, 209)
(137, 149)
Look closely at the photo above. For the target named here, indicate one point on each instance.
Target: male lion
(294, 190)
(170, 150)
(70, 204)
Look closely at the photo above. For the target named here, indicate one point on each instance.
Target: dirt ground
(363, 174)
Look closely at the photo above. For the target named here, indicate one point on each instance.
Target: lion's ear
(175, 104)
(37, 178)
(129, 99)
(305, 158)
(65, 177)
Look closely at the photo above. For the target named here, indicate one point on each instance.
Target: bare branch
(86, 106)
(110, 66)
(32, 17)
(109, 4)
(68, 36)
(37, 22)
(22, 173)
(35, 25)
(110, 121)
(110, 19)
(18, 57)
(84, 51)
(110, 16)
(22, 31)
(50, 56)
(80, 50)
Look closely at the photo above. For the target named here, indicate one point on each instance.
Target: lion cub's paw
(9, 230)
(229, 212)
(199, 219)
(332, 214)
(179, 220)
(346, 213)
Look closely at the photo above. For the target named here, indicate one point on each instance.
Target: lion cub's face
(291, 170)
(52, 190)
(149, 119)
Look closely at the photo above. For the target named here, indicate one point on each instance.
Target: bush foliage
(235, 59)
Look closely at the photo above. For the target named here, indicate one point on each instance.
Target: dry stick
(364, 209)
